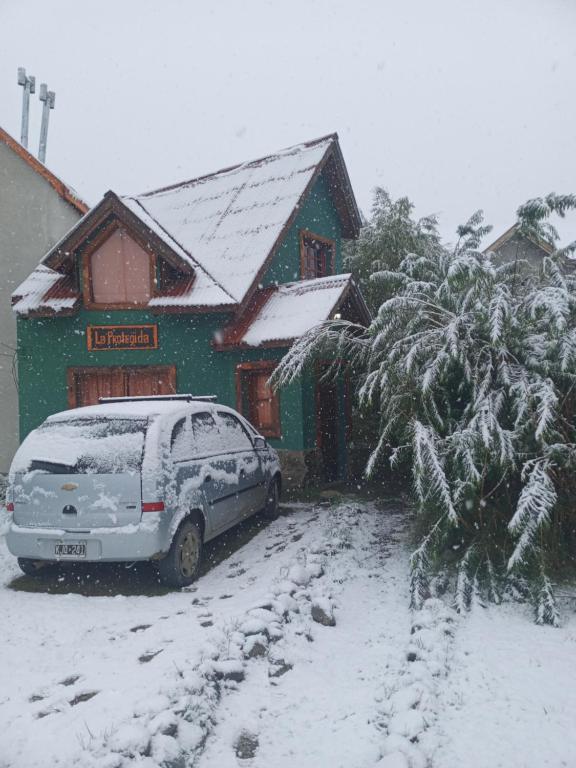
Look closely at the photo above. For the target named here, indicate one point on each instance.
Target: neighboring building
(514, 246)
(36, 209)
(201, 287)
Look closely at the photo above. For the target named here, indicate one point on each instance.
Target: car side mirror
(260, 443)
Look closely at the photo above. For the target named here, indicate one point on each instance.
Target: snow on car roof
(133, 409)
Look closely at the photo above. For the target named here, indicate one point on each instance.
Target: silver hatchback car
(137, 479)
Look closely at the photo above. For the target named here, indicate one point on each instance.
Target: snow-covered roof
(204, 290)
(230, 221)
(47, 290)
(219, 230)
(294, 308)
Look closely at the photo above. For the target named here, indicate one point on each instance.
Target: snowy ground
(510, 697)
(240, 670)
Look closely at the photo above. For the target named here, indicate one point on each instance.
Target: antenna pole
(48, 97)
(29, 86)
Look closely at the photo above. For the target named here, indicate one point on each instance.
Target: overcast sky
(459, 104)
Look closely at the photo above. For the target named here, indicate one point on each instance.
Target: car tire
(181, 565)
(31, 567)
(271, 508)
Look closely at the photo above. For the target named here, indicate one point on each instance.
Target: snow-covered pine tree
(473, 373)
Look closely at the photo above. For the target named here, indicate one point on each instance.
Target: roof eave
(350, 217)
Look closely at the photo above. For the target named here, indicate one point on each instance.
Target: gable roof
(65, 192)
(196, 289)
(280, 314)
(231, 221)
(509, 234)
(223, 229)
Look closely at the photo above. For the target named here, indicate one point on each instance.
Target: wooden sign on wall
(106, 337)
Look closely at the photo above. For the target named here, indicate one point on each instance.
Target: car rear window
(84, 446)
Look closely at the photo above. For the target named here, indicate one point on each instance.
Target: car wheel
(181, 565)
(31, 567)
(271, 509)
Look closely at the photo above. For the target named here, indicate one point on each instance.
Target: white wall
(33, 217)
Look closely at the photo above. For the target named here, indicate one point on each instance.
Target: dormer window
(316, 256)
(118, 273)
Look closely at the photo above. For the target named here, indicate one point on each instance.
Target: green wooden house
(201, 287)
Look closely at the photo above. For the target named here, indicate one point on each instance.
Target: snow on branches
(471, 366)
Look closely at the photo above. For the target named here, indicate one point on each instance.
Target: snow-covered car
(137, 479)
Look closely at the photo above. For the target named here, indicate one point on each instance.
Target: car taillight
(10, 506)
(152, 506)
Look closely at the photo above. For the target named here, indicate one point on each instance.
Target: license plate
(70, 550)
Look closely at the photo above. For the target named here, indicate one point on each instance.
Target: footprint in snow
(246, 745)
(279, 668)
(81, 697)
(45, 713)
(201, 602)
(70, 680)
(146, 657)
(225, 597)
(236, 573)
(140, 627)
(36, 697)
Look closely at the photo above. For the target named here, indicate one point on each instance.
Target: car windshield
(86, 446)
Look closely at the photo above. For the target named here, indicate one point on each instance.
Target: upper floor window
(119, 272)
(316, 255)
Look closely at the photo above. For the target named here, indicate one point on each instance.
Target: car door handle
(208, 479)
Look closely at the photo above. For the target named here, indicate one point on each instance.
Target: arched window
(119, 272)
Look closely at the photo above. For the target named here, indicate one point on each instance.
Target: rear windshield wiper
(52, 466)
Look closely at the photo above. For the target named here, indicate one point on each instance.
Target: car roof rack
(140, 398)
